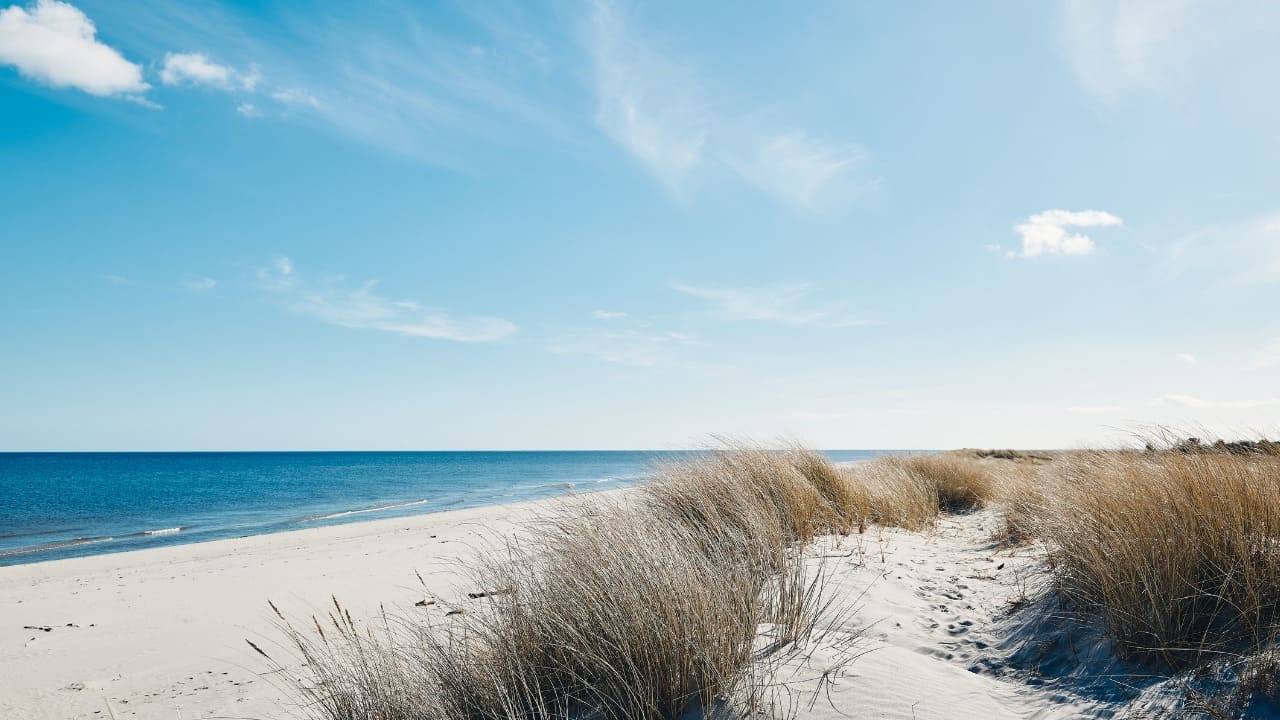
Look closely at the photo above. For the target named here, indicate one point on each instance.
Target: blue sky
(610, 225)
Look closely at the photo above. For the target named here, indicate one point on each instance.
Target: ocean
(60, 505)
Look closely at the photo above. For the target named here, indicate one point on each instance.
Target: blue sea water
(58, 505)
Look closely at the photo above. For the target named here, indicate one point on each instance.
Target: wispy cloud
(1119, 45)
(1191, 401)
(197, 69)
(1240, 253)
(387, 75)
(1187, 358)
(363, 307)
(636, 347)
(656, 108)
(806, 172)
(197, 283)
(55, 43)
(1047, 233)
(249, 110)
(295, 96)
(607, 314)
(784, 304)
(646, 103)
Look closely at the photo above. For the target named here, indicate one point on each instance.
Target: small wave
(361, 511)
(58, 545)
(164, 531)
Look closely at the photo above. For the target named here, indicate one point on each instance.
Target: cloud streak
(646, 103)
(363, 307)
(783, 304)
(657, 109)
(635, 347)
(56, 44)
(198, 283)
(1116, 45)
(1241, 253)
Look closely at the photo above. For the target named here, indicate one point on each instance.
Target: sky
(509, 225)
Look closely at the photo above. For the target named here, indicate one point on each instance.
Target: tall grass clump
(644, 607)
(758, 493)
(960, 483)
(1179, 552)
(847, 504)
(890, 494)
(910, 492)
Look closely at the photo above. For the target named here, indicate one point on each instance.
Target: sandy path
(932, 611)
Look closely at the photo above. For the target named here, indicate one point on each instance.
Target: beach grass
(1179, 552)
(910, 492)
(677, 599)
(653, 605)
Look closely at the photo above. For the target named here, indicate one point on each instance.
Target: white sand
(935, 611)
(160, 633)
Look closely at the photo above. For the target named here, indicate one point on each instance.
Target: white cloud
(1202, 404)
(362, 307)
(196, 69)
(1046, 233)
(607, 314)
(1187, 358)
(785, 304)
(198, 283)
(249, 110)
(296, 96)
(1095, 409)
(55, 43)
(1118, 45)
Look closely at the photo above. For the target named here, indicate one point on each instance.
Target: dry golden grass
(642, 608)
(910, 492)
(1179, 552)
(754, 491)
(960, 482)
(846, 504)
(1021, 489)
(890, 494)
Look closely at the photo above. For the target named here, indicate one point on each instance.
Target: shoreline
(182, 535)
(161, 630)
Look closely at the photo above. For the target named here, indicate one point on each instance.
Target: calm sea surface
(57, 505)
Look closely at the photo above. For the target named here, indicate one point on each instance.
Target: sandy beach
(161, 633)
